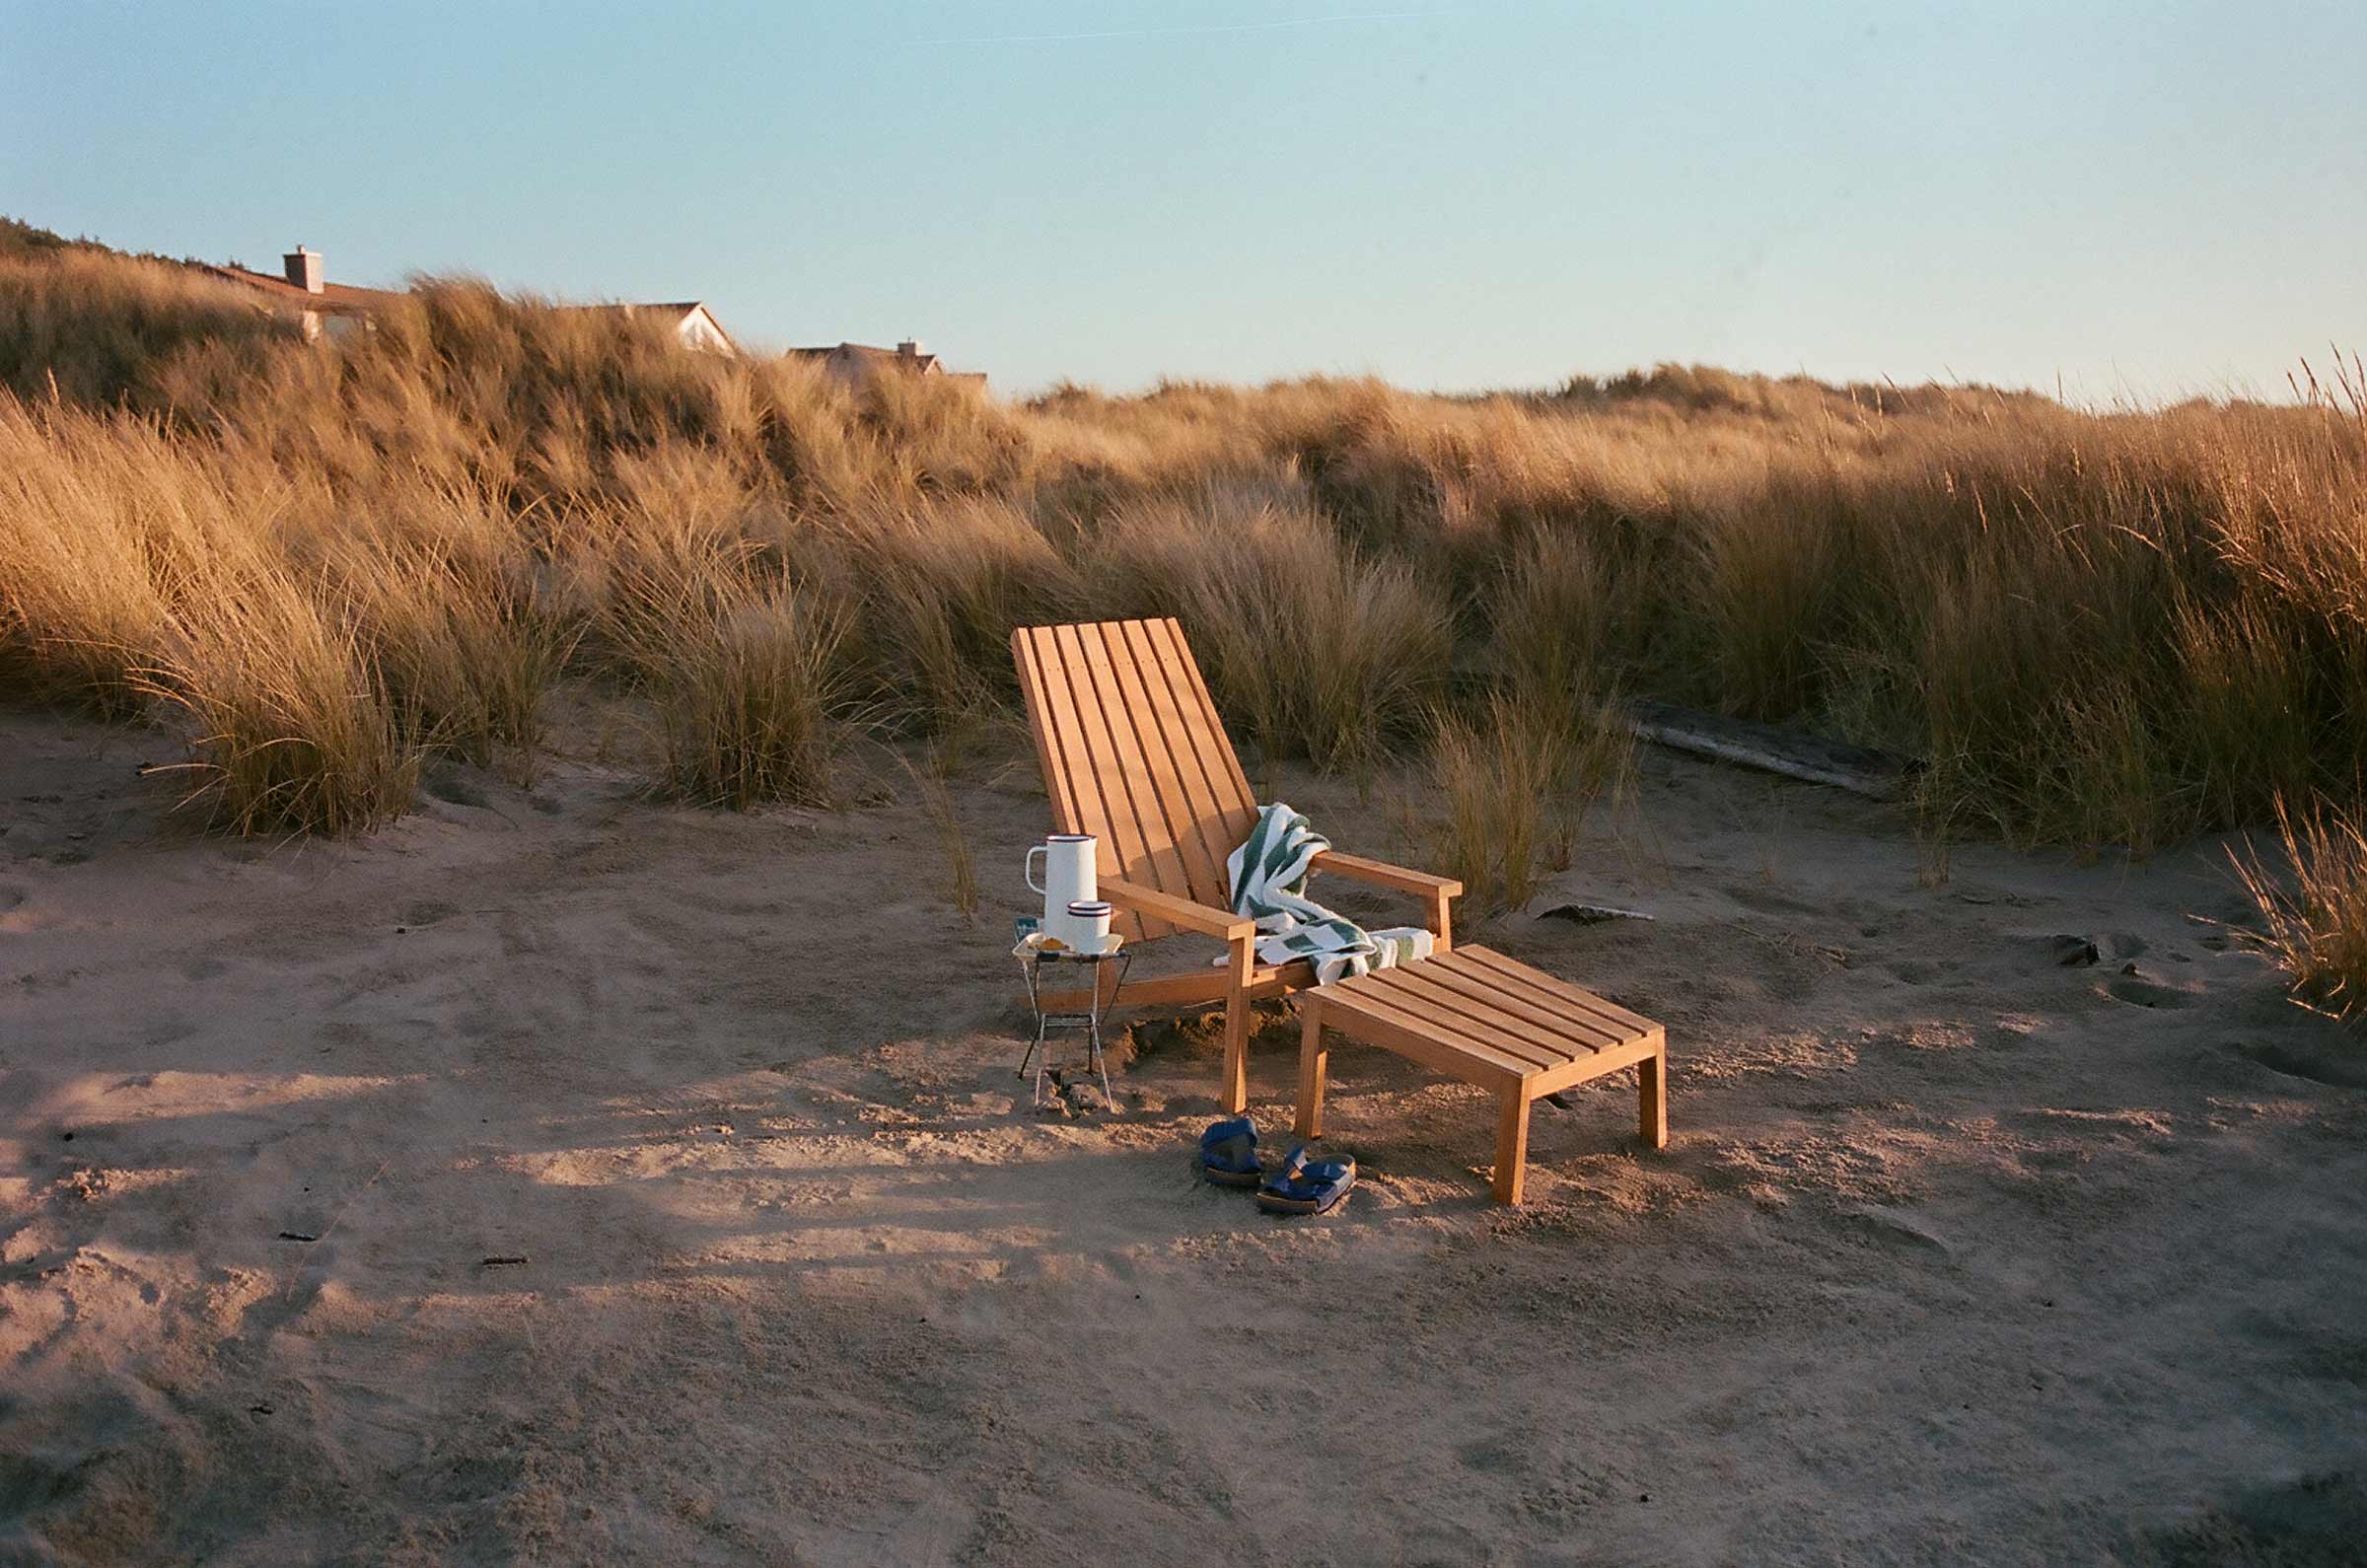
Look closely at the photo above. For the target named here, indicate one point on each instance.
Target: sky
(2140, 201)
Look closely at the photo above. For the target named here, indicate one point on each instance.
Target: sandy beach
(558, 1176)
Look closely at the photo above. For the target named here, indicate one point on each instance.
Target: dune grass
(1516, 778)
(2107, 629)
(2314, 910)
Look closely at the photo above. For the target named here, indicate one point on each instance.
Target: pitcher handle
(1027, 867)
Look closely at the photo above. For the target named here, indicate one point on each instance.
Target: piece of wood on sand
(1861, 770)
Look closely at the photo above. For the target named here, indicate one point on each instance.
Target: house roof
(345, 299)
(870, 354)
(677, 309)
(335, 299)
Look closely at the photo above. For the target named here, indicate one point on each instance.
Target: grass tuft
(2315, 917)
(1515, 782)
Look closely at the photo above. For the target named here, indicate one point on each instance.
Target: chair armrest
(1435, 891)
(1382, 874)
(1220, 923)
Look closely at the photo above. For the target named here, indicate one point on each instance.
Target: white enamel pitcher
(1068, 878)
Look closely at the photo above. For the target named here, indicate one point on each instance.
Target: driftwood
(1877, 775)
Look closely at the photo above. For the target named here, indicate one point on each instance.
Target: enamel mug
(1088, 925)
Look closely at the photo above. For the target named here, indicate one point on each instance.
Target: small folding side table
(1032, 962)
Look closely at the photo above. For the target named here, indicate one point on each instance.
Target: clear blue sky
(2151, 198)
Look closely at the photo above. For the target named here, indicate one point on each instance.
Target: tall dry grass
(289, 730)
(2108, 629)
(741, 664)
(2314, 909)
(1516, 779)
(1317, 647)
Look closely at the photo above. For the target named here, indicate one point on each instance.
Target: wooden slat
(1445, 1050)
(1375, 1022)
(1125, 848)
(1186, 809)
(1212, 833)
(1553, 991)
(1477, 991)
(1554, 988)
(1208, 732)
(1650, 1048)
(1453, 1023)
(1446, 989)
(1146, 779)
(1049, 754)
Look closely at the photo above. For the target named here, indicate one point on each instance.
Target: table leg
(1315, 1064)
(1094, 1026)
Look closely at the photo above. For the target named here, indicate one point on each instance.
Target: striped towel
(1270, 879)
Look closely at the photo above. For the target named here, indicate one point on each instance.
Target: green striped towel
(1269, 881)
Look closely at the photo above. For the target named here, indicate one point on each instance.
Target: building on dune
(306, 296)
(691, 320)
(320, 308)
(857, 363)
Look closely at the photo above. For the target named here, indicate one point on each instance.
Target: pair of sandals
(1229, 1158)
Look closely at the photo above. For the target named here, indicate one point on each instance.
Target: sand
(1955, 1253)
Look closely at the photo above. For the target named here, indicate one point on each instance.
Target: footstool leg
(1652, 1099)
(1315, 1064)
(1512, 1145)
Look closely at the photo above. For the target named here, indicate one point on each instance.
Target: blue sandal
(1229, 1154)
(1304, 1186)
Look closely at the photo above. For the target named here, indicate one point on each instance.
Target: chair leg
(1314, 1067)
(1237, 1032)
(1512, 1145)
(1652, 1099)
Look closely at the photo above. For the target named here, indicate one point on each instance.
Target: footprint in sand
(1902, 1227)
(1492, 1456)
(2145, 993)
(2312, 1068)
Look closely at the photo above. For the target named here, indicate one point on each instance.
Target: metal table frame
(1032, 967)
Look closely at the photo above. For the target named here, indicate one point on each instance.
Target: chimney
(908, 351)
(304, 269)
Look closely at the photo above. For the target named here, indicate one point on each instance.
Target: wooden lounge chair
(1133, 753)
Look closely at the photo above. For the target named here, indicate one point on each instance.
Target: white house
(855, 363)
(691, 320)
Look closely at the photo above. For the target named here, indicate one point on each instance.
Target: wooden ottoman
(1481, 1017)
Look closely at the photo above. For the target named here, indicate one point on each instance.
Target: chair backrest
(1133, 753)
